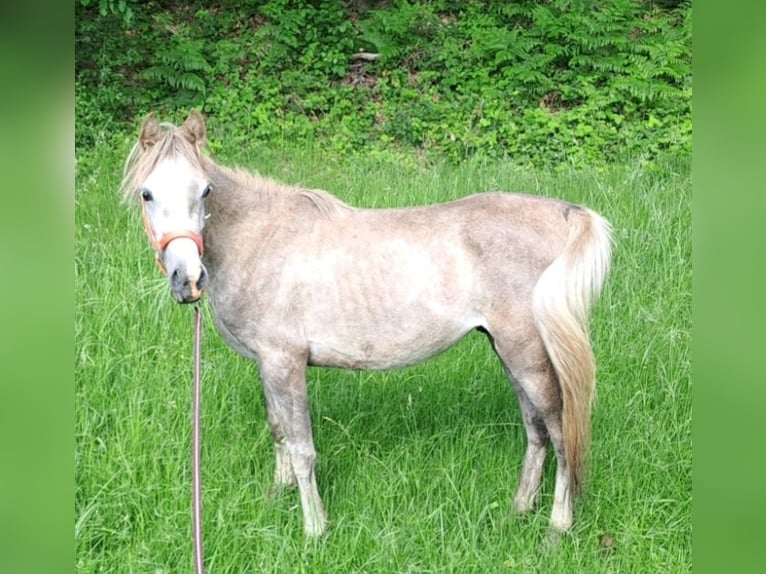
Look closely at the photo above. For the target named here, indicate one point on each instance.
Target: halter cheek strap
(161, 244)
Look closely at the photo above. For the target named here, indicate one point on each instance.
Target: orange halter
(159, 245)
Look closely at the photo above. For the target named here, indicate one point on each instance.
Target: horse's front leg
(284, 384)
(284, 476)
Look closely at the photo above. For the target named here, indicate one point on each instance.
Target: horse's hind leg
(284, 385)
(527, 364)
(537, 447)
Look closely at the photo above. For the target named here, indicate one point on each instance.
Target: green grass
(417, 467)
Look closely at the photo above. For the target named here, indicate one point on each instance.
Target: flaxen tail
(562, 300)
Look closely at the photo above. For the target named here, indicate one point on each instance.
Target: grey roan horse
(296, 277)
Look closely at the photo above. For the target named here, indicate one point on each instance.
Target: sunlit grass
(417, 467)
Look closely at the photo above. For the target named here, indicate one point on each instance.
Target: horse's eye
(206, 191)
(146, 195)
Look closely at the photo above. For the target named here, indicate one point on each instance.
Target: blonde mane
(326, 203)
(141, 162)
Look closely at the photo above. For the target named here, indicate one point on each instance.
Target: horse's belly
(388, 346)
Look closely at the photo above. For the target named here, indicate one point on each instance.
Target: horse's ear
(150, 132)
(194, 128)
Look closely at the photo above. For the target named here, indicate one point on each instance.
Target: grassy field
(417, 468)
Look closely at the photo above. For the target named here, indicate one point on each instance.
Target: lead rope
(159, 246)
(199, 567)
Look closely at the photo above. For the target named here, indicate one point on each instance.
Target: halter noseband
(161, 244)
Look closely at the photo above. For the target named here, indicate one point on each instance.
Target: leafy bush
(546, 82)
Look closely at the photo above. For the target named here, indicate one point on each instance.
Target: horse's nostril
(174, 277)
(202, 281)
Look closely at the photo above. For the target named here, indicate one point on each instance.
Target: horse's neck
(244, 205)
(237, 194)
(241, 205)
(242, 194)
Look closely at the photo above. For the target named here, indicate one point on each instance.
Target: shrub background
(563, 81)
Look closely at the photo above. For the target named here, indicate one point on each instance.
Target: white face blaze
(173, 199)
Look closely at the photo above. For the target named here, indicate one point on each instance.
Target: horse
(296, 278)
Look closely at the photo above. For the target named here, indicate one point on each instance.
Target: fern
(180, 65)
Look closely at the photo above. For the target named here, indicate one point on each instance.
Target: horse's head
(171, 185)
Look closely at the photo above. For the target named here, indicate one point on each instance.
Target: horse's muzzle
(186, 289)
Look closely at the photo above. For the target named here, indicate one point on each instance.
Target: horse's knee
(302, 458)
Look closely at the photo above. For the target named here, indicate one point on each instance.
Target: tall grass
(417, 467)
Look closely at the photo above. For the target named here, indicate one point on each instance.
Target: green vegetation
(585, 100)
(543, 82)
(417, 467)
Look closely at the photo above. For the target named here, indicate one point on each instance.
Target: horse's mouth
(184, 298)
(185, 290)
